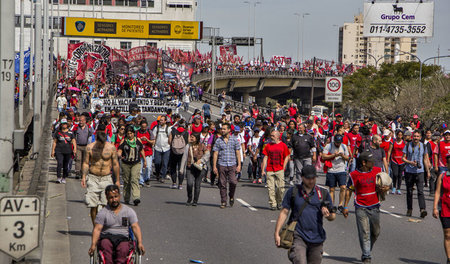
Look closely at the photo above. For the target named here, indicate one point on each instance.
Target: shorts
(336, 179)
(95, 191)
(445, 221)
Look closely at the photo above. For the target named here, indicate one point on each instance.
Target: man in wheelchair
(111, 230)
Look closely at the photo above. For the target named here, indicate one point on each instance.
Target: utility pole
(45, 62)
(7, 78)
(31, 74)
(37, 96)
(312, 85)
(213, 62)
(21, 61)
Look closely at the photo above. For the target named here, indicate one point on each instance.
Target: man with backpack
(161, 148)
(308, 204)
(178, 139)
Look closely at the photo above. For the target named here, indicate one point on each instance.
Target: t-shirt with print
(338, 163)
(63, 142)
(276, 153)
(253, 143)
(131, 155)
(116, 224)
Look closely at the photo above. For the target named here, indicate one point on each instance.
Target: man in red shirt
(367, 206)
(440, 152)
(276, 157)
(147, 139)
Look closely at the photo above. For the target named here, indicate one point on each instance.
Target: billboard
(132, 29)
(413, 20)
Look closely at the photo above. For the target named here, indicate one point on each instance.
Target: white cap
(386, 132)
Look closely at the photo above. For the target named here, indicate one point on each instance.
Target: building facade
(182, 10)
(356, 49)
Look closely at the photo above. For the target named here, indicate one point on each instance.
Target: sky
(279, 27)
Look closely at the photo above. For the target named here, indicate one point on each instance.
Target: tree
(394, 90)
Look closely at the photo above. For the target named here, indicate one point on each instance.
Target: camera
(331, 209)
(419, 166)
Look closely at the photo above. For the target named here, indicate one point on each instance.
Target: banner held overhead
(132, 29)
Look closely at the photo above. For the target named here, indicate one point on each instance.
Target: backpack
(365, 143)
(178, 144)
(157, 131)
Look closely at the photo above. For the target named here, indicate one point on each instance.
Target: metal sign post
(19, 219)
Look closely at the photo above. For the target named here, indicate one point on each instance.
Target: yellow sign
(132, 29)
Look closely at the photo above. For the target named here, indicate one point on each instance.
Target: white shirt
(162, 139)
(61, 101)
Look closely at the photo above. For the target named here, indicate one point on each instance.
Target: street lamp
(421, 63)
(337, 58)
(298, 36)
(249, 10)
(254, 26)
(303, 25)
(376, 60)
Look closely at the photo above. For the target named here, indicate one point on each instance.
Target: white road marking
(389, 213)
(244, 203)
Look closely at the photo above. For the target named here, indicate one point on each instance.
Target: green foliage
(395, 89)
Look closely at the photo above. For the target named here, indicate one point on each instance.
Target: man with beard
(111, 229)
(96, 170)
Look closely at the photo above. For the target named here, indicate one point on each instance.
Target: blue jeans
(368, 223)
(146, 172)
(161, 160)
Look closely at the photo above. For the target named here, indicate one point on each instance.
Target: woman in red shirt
(197, 126)
(395, 154)
(442, 198)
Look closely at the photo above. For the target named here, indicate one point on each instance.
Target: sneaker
(141, 185)
(231, 202)
(223, 205)
(393, 191)
(340, 208)
(180, 187)
(194, 203)
(423, 213)
(147, 183)
(188, 203)
(174, 186)
(58, 180)
(273, 208)
(255, 181)
(291, 183)
(399, 192)
(63, 180)
(279, 207)
(409, 213)
(136, 202)
(259, 181)
(367, 260)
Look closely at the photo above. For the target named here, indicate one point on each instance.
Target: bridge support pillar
(245, 97)
(261, 101)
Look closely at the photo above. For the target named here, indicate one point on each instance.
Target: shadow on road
(199, 204)
(75, 233)
(76, 201)
(253, 185)
(343, 259)
(416, 261)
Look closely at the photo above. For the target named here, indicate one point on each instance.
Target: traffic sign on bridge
(19, 225)
(333, 89)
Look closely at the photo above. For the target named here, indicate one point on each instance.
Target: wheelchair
(134, 256)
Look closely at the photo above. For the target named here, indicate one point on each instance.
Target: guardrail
(236, 106)
(280, 74)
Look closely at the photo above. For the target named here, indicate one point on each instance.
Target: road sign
(19, 225)
(333, 89)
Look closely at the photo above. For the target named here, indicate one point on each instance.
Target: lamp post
(421, 64)
(298, 36)
(303, 25)
(254, 27)
(249, 11)
(375, 59)
(337, 57)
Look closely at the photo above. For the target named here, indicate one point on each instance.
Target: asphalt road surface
(174, 233)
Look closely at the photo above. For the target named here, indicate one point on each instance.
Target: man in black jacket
(304, 151)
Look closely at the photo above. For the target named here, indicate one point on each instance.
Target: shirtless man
(96, 170)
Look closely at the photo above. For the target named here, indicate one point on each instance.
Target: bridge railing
(236, 106)
(260, 73)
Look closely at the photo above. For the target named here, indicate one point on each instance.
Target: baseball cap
(256, 129)
(366, 155)
(237, 129)
(415, 116)
(205, 125)
(338, 115)
(386, 132)
(408, 133)
(309, 172)
(338, 138)
(129, 118)
(63, 121)
(446, 132)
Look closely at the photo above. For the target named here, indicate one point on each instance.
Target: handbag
(199, 167)
(288, 229)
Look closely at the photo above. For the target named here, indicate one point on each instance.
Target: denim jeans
(146, 173)
(161, 160)
(368, 223)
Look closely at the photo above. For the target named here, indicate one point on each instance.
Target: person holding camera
(416, 158)
(308, 207)
(363, 181)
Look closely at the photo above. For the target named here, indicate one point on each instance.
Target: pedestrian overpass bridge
(279, 85)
